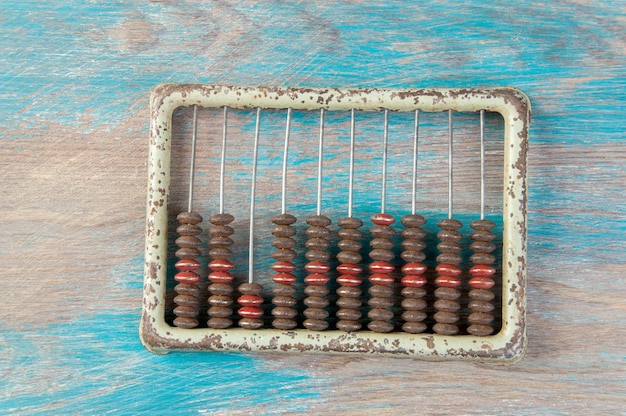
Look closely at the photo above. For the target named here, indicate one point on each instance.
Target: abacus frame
(508, 345)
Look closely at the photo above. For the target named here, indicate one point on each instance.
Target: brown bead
(221, 219)
(482, 246)
(220, 242)
(221, 231)
(382, 243)
(220, 289)
(316, 313)
(482, 258)
(315, 324)
(188, 241)
(414, 327)
(284, 231)
(317, 255)
(446, 317)
(185, 322)
(382, 255)
(445, 329)
(349, 245)
(349, 314)
(317, 232)
(480, 330)
(350, 222)
(382, 231)
(481, 294)
(349, 291)
(315, 302)
(189, 218)
(187, 253)
(284, 290)
(250, 288)
(349, 303)
(413, 304)
(413, 233)
(380, 326)
(219, 323)
(414, 315)
(283, 219)
(187, 300)
(447, 293)
(349, 257)
(286, 301)
(416, 245)
(283, 254)
(184, 311)
(318, 221)
(449, 258)
(317, 243)
(480, 306)
(220, 300)
(449, 247)
(413, 221)
(449, 235)
(485, 225)
(480, 318)
(283, 312)
(447, 305)
(348, 325)
(450, 224)
(381, 291)
(220, 312)
(320, 291)
(350, 234)
(284, 242)
(413, 292)
(411, 256)
(220, 253)
(185, 289)
(188, 229)
(380, 303)
(250, 323)
(482, 236)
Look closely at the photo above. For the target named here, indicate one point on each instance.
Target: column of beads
(447, 281)
(220, 277)
(187, 300)
(284, 290)
(481, 307)
(349, 258)
(413, 293)
(381, 278)
(317, 243)
(250, 301)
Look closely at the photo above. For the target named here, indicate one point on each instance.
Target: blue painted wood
(74, 81)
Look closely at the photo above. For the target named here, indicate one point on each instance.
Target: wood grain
(74, 84)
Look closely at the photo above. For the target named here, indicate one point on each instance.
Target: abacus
(350, 221)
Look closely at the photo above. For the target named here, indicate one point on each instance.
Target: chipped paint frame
(507, 346)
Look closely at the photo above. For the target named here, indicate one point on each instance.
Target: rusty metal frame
(507, 345)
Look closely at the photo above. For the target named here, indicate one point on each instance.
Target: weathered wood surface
(75, 79)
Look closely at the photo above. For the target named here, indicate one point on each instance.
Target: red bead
(284, 278)
(347, 268)
(250, 300)
(349, 280)
(482, 270)
(250, 312)
(220, 277)
(187, 265)
(481, 282)
(413, 280)
(187, 277)
(317, 267)
(382, 267)
(283, 267)
(448, 270)
(221, 265)
(414, 268)
(381, 279)
(316, 279)
(383, 219)
(447, 281)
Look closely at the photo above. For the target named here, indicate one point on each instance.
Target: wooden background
(74, 83)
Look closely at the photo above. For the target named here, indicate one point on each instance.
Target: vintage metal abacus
(273, 273)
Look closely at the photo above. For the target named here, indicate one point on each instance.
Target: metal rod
(252, 197)
(482, 164)
(383, 190)
(193, 157)
(320, 164)
(223, 160)
(414, 183)
(450, 177)
(351, 171)
(285, 157)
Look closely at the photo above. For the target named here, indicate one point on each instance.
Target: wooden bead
(283, 254)
(221, 230)
(318, 221)
(220, 289)
(450, 224)
(218, 241)
(316, 290)
(219, 311)
(250, 312)
(448, 270)
(349, 257)
(413, 233)
(283, 267)
(187, 265)
(413, 221)
(284, 242)
(220, 253)
(414, 268)
(382, 231)
(285, 290)
(381, 279)
(381, 291)
(187, 252)
(187, 277)
(317, 267)
(412, 256)
(350, 222)
(349, 269)
(481, 283)
(283, 219)
(382, 255)
(382, 267)
(188, 229)
(189, 218)
(317, 256)
(316, 279)
(317, 243)
(447, 281)
(318, 232)
(316, 302)
(221, 265)
(220, 277)
(221, 219)
(284, 278)
(349, 280)
(284, 231)
(485, 225)
(383, 219)
(350, 234)
(219, 323)
(382, 243)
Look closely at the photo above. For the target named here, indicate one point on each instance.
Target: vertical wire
(482, 164)
(283, 204)
(383, 193)
(252, 197)
(351, 172)
(414, 184)
(193, 157)
(223, 160)
(450, 178)
(320, 164)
